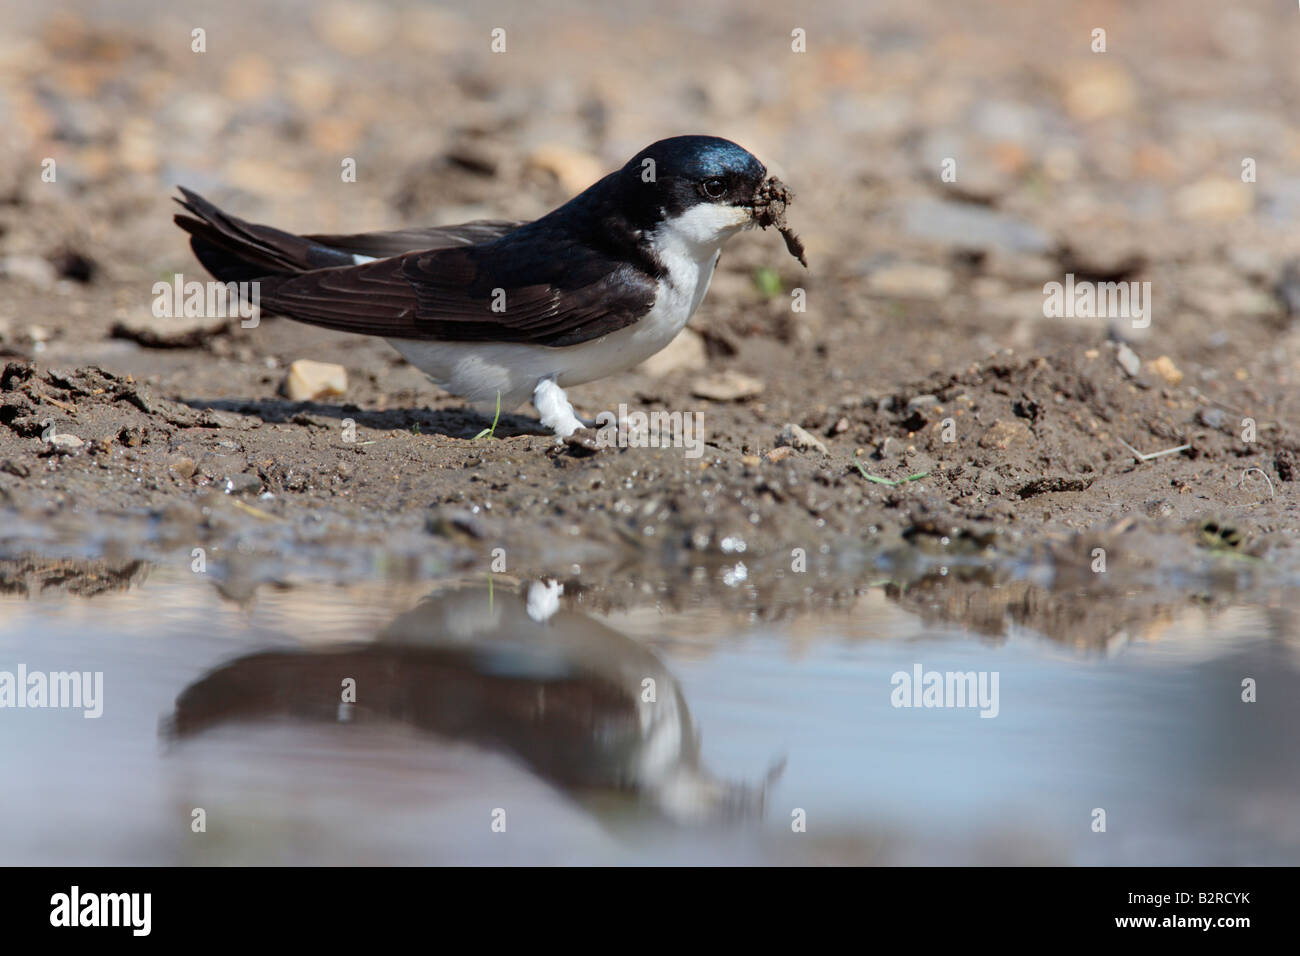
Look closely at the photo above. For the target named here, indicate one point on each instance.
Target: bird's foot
(582, 442)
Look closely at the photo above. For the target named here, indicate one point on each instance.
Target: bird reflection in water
(584, 707)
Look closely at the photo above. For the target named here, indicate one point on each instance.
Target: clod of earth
(770, 203)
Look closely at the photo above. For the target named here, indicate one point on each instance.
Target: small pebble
(796, 437)
(1128, 361)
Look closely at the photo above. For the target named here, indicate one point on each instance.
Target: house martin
(497, 310)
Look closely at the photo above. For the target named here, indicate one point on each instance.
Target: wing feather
(381, 245)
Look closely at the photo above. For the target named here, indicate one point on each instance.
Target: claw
(582, 442)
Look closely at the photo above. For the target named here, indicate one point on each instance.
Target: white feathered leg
(554, 408)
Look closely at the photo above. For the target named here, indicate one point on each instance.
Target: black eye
(714, 188)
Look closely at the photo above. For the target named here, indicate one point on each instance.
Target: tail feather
(225, 264)
(237, 251)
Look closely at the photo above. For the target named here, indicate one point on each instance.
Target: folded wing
(505, 291)
(488, 280)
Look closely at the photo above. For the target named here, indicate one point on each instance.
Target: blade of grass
(891, 482)
(491, 432)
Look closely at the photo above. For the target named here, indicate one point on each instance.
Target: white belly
(478, 371)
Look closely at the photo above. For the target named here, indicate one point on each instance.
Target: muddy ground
(956, 424)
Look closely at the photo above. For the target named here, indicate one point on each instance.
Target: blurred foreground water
(499, 721)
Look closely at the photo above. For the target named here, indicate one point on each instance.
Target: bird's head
(704, 183)
(702, 188)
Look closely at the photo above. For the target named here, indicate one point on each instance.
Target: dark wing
(381, 245)
(532, 286)
(234, 249)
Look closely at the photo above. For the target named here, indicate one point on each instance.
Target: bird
(501, 312)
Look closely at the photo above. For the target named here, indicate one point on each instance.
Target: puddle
(497, 721)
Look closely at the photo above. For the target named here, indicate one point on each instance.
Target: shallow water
(496, 702)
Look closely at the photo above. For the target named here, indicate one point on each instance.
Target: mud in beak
(770, 202)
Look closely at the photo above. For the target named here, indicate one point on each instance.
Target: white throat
(689, 243)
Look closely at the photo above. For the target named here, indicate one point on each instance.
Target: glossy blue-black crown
(687, 171)
(698, 158)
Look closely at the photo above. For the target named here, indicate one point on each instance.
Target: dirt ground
(954, 422)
